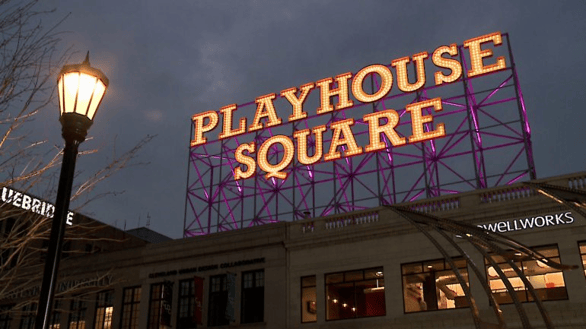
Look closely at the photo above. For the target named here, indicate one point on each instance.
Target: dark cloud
(168, 60)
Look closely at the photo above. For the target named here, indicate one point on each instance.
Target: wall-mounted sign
(334, 94)
(32, 204)
(69, 285)
(209, 267)
(529, 223)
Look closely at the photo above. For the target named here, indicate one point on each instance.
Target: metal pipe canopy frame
(487, 144)
(442, 231)
(489, 245)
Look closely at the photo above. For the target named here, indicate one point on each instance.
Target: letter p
(200, 127)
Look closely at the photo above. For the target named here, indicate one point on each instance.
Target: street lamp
(81, 89)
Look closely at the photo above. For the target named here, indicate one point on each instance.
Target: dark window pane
(218, 301)
(187, 305)
(582, 246)
(5, 316)
(252, 306)
(130, 308)
(77, 314)
(27, 318)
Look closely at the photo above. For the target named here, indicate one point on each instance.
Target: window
(253, 296)
(6, 255)
(548, 282)
(355, 294)
(130, 307)
(104, 309)
(27, 319)
(44, 250)
(160, 305)
(5, 318)
(6, 226)
(190, 303)
(582, 246)
(77, 315)
(218, 301)
(432, 285)
(186, 316)
(308, 299)
(55, 320)
(66, 250)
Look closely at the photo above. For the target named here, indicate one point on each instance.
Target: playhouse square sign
(334, 95)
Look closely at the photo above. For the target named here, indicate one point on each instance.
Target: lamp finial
(87, 59)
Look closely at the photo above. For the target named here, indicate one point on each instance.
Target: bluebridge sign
(30, 203)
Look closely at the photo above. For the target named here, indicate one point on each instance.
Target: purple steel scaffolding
(487, 143)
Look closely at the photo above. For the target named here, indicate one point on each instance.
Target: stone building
(369, 269)
(24, 238)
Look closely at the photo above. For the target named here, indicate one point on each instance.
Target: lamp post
(81, 89)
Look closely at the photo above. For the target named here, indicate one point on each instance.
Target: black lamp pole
(57, 234)
(75, 120)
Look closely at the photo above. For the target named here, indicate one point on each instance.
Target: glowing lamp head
(81, 90)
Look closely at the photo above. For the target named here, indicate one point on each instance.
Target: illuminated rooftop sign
(334, 95)
(420, 126)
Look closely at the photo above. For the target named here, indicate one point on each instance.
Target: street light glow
(80, 93)
(81, 89)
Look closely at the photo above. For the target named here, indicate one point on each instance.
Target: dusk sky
(168, 60)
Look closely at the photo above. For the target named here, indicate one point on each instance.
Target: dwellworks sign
(529, 223)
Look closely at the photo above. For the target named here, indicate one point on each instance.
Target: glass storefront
(548, 282)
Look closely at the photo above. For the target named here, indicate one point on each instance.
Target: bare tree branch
(30, 58)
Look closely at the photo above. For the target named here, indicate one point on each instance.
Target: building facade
(369, 269)
(24, 238)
